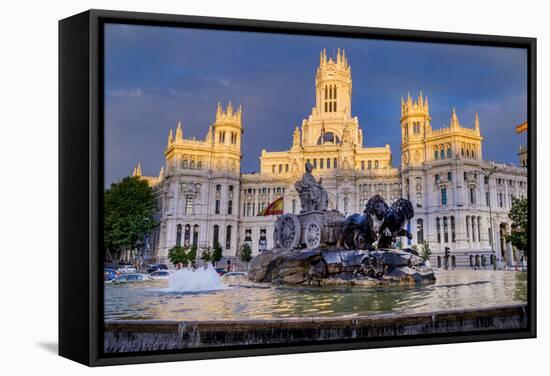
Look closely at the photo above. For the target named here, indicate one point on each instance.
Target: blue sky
(157, 76)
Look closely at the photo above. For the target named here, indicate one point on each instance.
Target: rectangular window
(188, 204)
(436, 177)
(362, 165)
(376, 164)
(487, 199)
(443, 196)
(217, 208)
(328, 162)
(449, 176)
(472, 195)
(369, 165)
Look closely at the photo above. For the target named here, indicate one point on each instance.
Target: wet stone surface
(340, 267)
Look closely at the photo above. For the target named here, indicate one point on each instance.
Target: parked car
(109, 274)
(220, 271)
(234, 275)
(126, 269)
(131, 277)
(154, 267)
(160, 274)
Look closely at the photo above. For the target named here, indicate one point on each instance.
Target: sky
(156, 76)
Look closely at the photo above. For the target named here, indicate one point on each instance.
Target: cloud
(127, 93)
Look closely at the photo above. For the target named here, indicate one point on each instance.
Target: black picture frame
(81, 182)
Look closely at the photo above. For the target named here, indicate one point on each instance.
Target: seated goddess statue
(312, 195)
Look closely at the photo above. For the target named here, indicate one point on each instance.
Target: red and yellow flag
(275, 208)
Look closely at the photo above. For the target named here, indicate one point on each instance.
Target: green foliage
(128, 214)
(217, 253)
(206, 255)
(177, 255)
(192, 255)
(426, 251)
(519, 214)
(245, 253)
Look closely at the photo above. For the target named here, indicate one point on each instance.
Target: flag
(275, 208)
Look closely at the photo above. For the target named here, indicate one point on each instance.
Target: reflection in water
(456, 289)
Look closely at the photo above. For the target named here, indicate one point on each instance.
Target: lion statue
(395, 218)
(359, 231)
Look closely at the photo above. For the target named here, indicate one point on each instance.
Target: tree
(128, 215)
(245, 253)
(206, 255)
(217, 253)
(519, 216)
(192, 255)
(426, 251)
(177, 255)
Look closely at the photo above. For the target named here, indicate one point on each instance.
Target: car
(231, 275)
(220, 271)
(131, 277)
(125, 269)
(154, 267)
(160, 274)
(109, 274)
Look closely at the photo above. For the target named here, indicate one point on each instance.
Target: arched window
(184, 164)
(178, 235)
(187, 236)
(419, 231)
(438, 227)
(436, 154)
(453, 230)
(335, 164)
(195, 235)
(328, 162)
(199, 165)
(362, 165)
(449, 152)
(215, 235)
(192, 164)
(445, 230)
(228, 237)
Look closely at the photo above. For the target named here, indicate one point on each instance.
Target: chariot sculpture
(317, 226)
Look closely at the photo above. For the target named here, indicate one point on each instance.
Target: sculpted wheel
(288, 232)
(313, 235)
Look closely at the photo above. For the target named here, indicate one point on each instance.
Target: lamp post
(487, 173)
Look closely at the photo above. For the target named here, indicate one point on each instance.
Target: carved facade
(203, 196)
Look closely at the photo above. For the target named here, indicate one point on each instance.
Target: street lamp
(487, 173)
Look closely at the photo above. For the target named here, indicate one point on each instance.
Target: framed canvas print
(239, 187)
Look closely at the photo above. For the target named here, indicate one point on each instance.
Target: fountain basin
(150, 335)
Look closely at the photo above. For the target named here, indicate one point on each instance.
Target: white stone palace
(203, 197)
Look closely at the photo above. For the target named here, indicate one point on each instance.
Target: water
(239, 299)
(195, 280)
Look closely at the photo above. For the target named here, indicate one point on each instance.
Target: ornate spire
(137, 171)
(161, 173)
(454, 119)
(476, 122)
(170, 137)
(179, 132)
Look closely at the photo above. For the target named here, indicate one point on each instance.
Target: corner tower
(415, 125)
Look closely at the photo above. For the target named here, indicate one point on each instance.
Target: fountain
(195, 280)
(321, 246)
